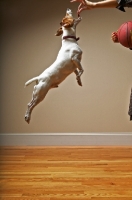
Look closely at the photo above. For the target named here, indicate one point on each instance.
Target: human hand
(84, 5)
(114, 37)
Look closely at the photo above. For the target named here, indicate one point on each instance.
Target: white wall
(29, 46)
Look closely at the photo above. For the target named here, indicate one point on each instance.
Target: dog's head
(66, 22)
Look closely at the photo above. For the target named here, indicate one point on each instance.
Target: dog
(67, 62)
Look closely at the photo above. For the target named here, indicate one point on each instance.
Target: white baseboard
(66, 139)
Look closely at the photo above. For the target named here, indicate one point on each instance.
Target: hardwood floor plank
(66, 173)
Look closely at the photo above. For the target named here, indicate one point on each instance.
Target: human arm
(88, 5)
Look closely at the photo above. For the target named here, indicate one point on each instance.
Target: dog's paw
(79, 81)
(27, 118)
(79, 17)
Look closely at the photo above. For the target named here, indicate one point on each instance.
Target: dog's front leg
(76, 21)
(76, 61)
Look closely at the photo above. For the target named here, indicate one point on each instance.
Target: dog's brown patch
(59, 32)
(67, 22)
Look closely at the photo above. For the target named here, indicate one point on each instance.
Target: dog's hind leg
(78, 77)
(39, 94)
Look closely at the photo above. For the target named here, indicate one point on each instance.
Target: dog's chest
(68, 49)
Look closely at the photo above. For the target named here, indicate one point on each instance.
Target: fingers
(76, 1)
(81, 7)
(114, 37)
(80, 1)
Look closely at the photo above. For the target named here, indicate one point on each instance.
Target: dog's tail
(31, 80)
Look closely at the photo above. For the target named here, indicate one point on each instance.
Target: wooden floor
(57, 173)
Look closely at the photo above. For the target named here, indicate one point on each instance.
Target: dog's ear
(59, 32)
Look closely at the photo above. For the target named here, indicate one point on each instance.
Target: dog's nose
(69, 11)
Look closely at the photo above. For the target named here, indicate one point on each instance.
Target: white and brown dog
(67, 61)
